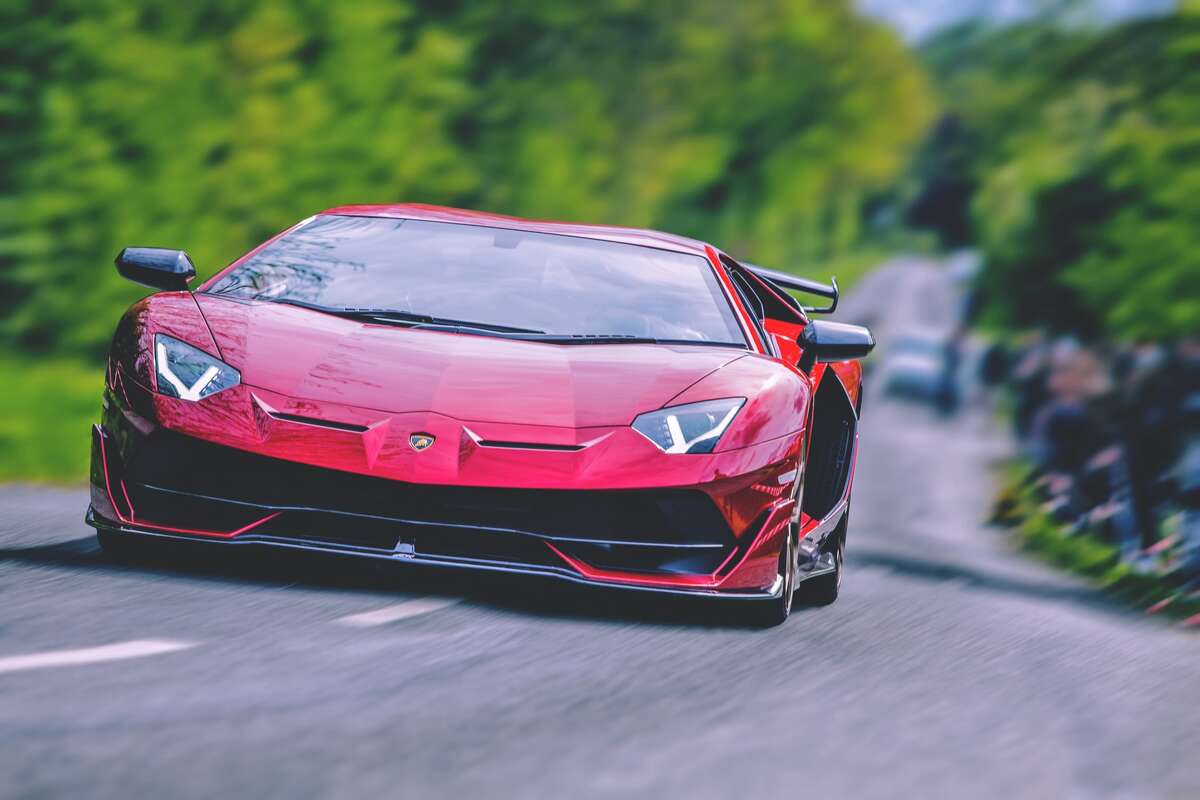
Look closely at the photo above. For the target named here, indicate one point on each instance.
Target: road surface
(950, 667)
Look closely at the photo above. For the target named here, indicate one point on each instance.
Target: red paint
(730, 292)
(462, 389)
(254, 524)
(314, 357)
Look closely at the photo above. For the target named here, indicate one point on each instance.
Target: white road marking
(92, 655)
(409, 608)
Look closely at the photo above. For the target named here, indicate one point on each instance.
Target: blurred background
(1057, 138)
(1009, 191)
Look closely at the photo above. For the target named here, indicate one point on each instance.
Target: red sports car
(603, 405)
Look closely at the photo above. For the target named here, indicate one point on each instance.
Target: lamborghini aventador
(604, 405)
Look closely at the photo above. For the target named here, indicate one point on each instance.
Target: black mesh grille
(182, 464)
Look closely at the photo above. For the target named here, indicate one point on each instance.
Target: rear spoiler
(796, 284)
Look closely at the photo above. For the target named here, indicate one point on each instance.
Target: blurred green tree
(1082, 153)
(765, 125)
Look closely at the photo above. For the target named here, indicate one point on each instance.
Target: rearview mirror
(824, 341)
(156, 267)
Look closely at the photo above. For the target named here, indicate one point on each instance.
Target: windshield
(559, 285)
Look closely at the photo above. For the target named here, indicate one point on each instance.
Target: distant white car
(914, 365)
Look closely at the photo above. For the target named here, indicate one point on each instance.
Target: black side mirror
(824, 341)
(156, 267)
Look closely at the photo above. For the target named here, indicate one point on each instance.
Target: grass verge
(1020, 509)
(46, 407)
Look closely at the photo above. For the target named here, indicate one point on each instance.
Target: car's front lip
(559, 573)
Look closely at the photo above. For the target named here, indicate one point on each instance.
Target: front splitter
(260, 540)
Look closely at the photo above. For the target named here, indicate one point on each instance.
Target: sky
(916, 19)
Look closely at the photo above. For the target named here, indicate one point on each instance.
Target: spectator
(1029, 384)
(1116, 441)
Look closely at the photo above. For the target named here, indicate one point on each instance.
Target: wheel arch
(832, 437)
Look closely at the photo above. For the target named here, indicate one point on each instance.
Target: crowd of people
(1114, 434)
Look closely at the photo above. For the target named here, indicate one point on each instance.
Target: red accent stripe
(104, 462)
(706, 581)
(128, 502)
(267, 518)
(747, 325)
(686, 581)
(130, 520)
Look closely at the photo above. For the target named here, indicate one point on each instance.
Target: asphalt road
(950, 667)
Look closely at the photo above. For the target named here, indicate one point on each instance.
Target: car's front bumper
(709, 526)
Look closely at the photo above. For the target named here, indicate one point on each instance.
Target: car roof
(611, 233)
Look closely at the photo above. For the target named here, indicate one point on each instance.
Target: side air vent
(320, 423)
(830, 449)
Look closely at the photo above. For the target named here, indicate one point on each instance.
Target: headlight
(188, 373)
(693, 428)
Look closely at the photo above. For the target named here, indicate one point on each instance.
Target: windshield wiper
(617, 338)
(591, 338)
(406, 318)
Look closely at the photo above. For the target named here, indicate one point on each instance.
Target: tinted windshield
(557, 284)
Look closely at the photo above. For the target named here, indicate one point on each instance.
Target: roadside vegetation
(1067, 155)
(1020, 508)
(45, 412)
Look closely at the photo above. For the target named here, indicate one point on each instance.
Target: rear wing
(796, 284)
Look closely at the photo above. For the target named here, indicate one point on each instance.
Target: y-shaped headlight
(692, 428)
(188, 373)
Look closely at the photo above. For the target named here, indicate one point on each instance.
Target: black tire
(776, 610)
(823, 590)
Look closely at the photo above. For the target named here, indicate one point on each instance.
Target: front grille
(190, 470)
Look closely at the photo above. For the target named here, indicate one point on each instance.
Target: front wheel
(823, 589)
(776, 610)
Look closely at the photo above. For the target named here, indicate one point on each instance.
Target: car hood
(313, 356)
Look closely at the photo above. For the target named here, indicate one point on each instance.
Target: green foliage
(46, 409)
(1083, 151)
(1020, 508)
(764, 125)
